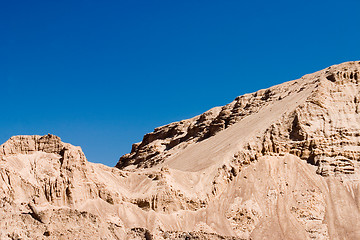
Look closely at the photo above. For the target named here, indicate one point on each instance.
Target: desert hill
(280, 163)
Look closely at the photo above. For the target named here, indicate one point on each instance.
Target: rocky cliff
(315, 118)
(281, 163)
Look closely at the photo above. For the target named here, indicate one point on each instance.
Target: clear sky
(101, 74)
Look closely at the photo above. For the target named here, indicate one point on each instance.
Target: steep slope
(315, 118)
(48, 190)
(280, 163)
(169, 139)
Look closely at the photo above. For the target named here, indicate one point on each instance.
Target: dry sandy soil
(280, 163)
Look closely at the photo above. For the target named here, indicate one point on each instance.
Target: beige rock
(281, 163)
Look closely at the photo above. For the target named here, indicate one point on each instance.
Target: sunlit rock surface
(281, 163)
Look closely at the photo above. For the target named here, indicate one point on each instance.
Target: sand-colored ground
(281, 163)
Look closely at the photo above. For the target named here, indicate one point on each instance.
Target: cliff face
(281, 163)
(169, 139)
(315, 118)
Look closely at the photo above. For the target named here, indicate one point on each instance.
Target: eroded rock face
(321, 129)
(325, 129)
(167, 140)
(281, 163)
(43, 181)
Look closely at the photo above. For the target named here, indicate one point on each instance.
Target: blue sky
(101, 74)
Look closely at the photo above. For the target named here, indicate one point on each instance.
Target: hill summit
(280, 163)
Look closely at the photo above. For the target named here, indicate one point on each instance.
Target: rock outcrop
(281, 163)
(315, 118)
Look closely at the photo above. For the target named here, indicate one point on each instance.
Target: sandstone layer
(280, 163)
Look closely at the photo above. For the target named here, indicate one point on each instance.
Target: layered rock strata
(322, 126)
(281, 163)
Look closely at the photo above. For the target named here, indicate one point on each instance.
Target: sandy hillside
(280, 163)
